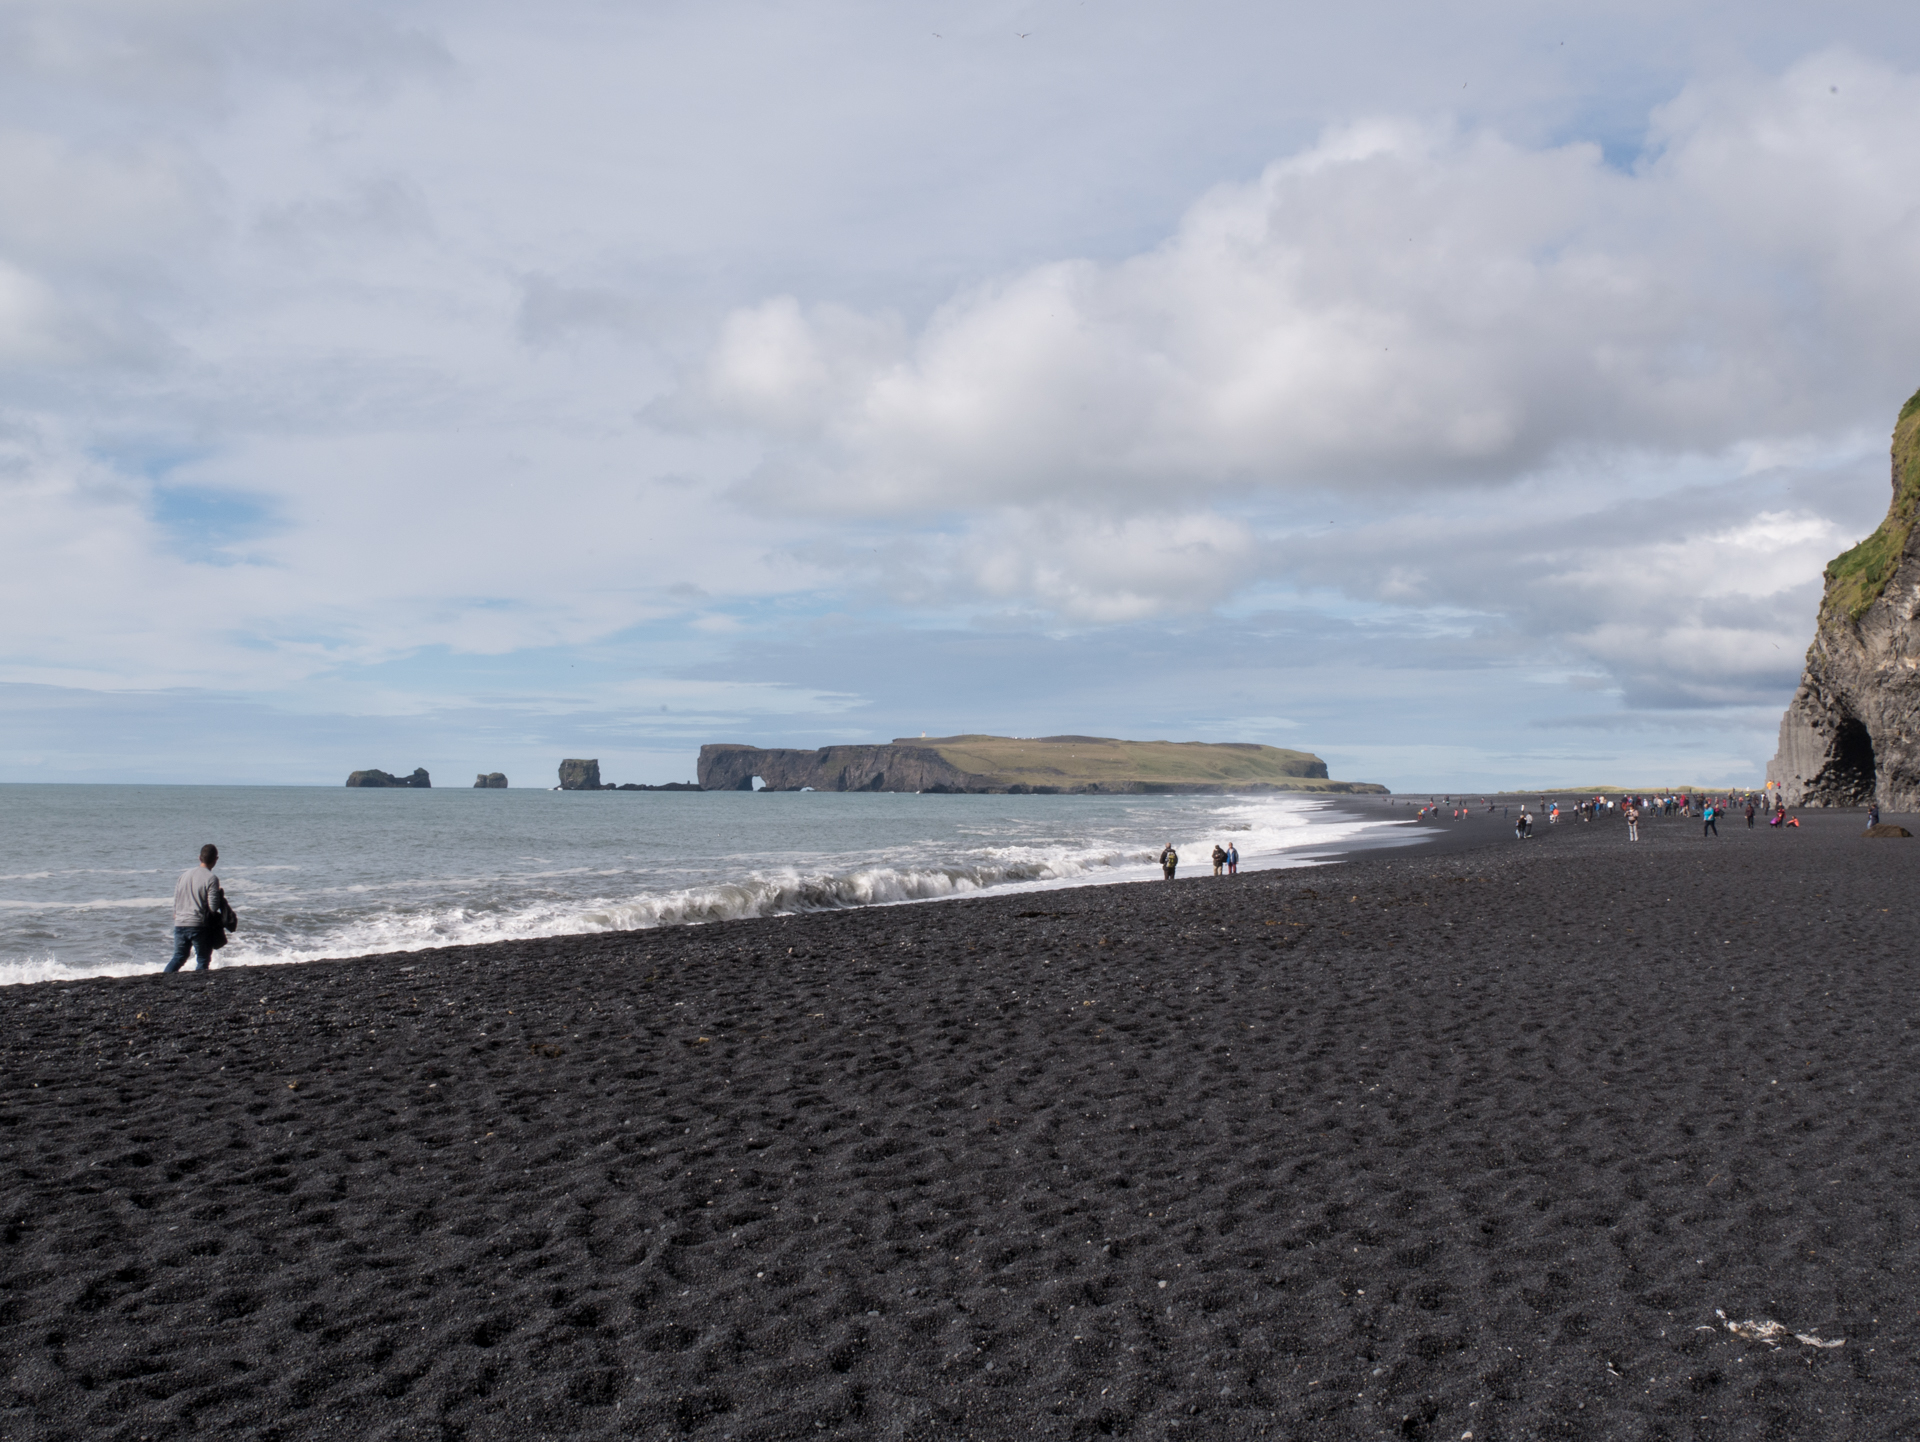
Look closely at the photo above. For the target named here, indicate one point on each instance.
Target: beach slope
(1494, 1141)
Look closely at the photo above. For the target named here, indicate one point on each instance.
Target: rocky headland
(1852, 732)
(584, 775)
(1048, 765)
(419, 779)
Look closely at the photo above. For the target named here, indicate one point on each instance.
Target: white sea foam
(598, 867)
(779, 892)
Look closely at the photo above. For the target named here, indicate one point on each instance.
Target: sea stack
(419, 779)
(578, 775)
(490, 781)
(1852, 732)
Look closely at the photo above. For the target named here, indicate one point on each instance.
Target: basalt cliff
(578, 774)
(418, 779)
(1049, 765)
(1852, 732)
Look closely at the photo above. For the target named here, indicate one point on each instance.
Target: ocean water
(87, 872)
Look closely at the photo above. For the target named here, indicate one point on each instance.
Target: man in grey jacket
(198, 906)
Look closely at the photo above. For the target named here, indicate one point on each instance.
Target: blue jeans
(191, 939)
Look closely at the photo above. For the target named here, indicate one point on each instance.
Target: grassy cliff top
(1856, 578)
(1077, 760)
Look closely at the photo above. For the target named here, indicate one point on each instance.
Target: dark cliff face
(1852, 732)
(419, 779)
(831, 768)
(906, 767)
(579, 775)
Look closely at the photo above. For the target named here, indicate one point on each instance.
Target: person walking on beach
(1219, 859)
(199, 911)
(1749, 816)
(1233, 859)
(1873, 813)
(1633, 822)
(1169, 861)
(1710, 814)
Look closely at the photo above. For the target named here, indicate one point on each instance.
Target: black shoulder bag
(223, 921)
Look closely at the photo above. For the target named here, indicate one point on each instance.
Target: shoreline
(1410, 837)
(779, 886)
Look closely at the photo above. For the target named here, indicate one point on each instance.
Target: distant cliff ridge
(581, 775)
(1078, 765)
(1852, 731)
(381, 778)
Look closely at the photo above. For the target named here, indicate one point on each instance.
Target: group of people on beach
(1710, 810)
(1633, 809)
(1226, 860)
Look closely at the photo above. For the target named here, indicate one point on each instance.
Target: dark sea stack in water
(490, 781)
(419, 779)
(578, 775)
(1852, 732)
(1025, 766)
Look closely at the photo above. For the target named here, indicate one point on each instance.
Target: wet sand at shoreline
(1477, 1137)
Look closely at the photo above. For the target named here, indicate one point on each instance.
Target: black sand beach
(1481, 1140)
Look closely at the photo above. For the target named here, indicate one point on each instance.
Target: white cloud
(1527, 381)
(1082, 567)
(1400, 304)
(780, 370)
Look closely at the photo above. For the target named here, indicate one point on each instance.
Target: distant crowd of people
(1633, 809)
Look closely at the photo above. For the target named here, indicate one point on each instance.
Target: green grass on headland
(1070, 761)
(1857, 578)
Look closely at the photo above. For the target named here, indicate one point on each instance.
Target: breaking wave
(287, 918)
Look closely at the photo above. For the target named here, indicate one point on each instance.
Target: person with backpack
(1169, 861)
(1219, 858)
(201, 916)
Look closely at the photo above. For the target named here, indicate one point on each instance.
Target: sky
(1470, 394)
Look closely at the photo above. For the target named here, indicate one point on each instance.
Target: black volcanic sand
(1419, 1145)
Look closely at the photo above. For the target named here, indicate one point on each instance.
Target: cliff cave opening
(1852, 766)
